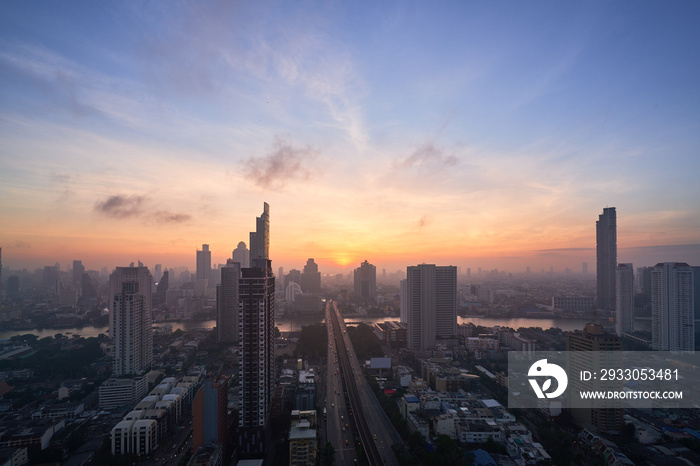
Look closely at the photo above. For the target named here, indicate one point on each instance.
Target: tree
(328, 454)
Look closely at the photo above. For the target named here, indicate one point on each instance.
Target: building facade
(227, 302)
(672, 307)
(130, 327)
(432, 304)
(210, 414)
(365, 281)
(624, 301)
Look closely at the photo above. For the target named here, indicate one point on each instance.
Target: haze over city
(471, 134)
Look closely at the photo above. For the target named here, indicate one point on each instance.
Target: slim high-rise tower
(606, 257)
(624, 303)
(256, 343)
(260, 239)
(227, 302)
(365, 280)
(130, 319)
(432, 304)
(672, 299)
(204, 263)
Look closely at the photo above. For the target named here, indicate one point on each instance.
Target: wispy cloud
(284, 163)
(427, 155)
(136, 206)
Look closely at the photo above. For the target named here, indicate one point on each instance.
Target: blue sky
(470, 133)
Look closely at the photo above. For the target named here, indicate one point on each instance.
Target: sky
(468, 133)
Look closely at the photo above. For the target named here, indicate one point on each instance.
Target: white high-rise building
(624, 302)
(432, 304)
(130, 327)
(672, 322)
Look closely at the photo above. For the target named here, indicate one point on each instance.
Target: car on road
(346, 442)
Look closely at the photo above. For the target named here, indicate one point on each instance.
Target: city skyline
(468, 135)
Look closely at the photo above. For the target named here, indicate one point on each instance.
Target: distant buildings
(606, 257)
(432, 304)
(365, 282)
(672, 307)
(130, 319)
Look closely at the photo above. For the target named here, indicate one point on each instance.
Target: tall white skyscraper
(672, 299)
(606, 257)
(130, 319)
(624, 305)
(256, 343)
(432, 304)
(227, 302)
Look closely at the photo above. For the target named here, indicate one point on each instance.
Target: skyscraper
(672, 300)
(242, 255)
(606, 257)
(624, 303)
(78, 271)
(365, 280)
(130, 319)
(311, 278)
(260, 239)
(432, 304)
(227, 302)
(204, 263)
(256, 343)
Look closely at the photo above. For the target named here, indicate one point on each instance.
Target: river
(286, 324)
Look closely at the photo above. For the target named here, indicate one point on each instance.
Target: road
(340, 436)
(371, 423)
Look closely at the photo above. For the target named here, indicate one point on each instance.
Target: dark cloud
(566, 250)
(282, 164)
(120, 206)
(22, 245)
(164, 216)
(428, 155)
(423, 221)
